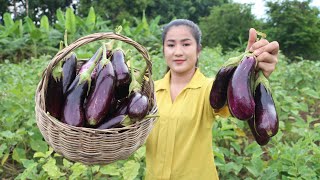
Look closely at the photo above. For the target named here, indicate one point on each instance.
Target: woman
(180, 144)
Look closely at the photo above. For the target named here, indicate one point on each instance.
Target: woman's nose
(178, 51)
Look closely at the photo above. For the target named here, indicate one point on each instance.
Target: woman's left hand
(265, 51)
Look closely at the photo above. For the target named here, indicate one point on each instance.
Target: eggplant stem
(57, 71)
(264, 81)
(86, 74)
(104, 61)
(134, 85)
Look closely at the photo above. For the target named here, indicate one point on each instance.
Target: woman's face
(180, 49)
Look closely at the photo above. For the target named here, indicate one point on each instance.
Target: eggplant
(122, 73)
(266, 117)
(122, 107)
(69, 71)
(114, 122)
(73, 109)
(239, 94)
(218, 93)
(54, 95)
(101, 95)
(91, 62)
(138, 106)
(261, 140)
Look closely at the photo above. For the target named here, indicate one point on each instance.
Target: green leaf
(3, 147)
(70, 23)
(140, 153)
(39, 155)
(44, 155)
(29, 23)
(39, 145)
(252, 149)
(52, 169)
(44, 23)
(131, 170)
(35, 35)
(30, 170)
(233, 167)
(67, 163)
(77, 170)
(60, 16)
(7, 134)
(18, 154)
(310, 92)
(236, 147)
(28, 163)
(8, 21)
(91, 19)
(111, 170)
(5, 158)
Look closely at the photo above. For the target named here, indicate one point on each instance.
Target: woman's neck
(181, 79)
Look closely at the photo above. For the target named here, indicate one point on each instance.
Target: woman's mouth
(179, 61)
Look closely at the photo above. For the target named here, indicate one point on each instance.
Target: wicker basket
(87, 145)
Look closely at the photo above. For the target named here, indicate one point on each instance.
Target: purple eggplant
(261, 140)
(122, 73)
(138, 106)
(73, 110)
(69, 71)
(101, 95)
(239, 94)
(122, 106)
(266, 118)
(218, 93)
(54, 95)
(114, 122)
(91, 62)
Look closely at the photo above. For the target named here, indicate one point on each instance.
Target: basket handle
(88, 39)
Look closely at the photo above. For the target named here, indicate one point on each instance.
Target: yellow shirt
(180, 144)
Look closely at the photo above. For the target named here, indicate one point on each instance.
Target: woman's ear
(199, 48)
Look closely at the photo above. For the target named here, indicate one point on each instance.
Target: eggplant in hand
(239, 95)
(218, 93)
(266, 117)
(261, 140)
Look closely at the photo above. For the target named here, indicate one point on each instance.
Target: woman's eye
(187, 44)
(170, 45)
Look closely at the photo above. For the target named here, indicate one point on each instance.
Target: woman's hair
(194, 28)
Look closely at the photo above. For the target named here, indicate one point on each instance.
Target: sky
(258, 8)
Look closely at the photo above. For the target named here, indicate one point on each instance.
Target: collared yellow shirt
(179, 146)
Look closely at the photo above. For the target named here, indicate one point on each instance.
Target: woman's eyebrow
(182, 40)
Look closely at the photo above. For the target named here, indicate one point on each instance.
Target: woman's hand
(266, 52)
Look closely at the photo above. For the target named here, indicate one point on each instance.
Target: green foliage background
(26, 49)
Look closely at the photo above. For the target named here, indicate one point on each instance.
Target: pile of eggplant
(104, 92)
(248, 95)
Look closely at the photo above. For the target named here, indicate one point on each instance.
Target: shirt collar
(196, 81)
